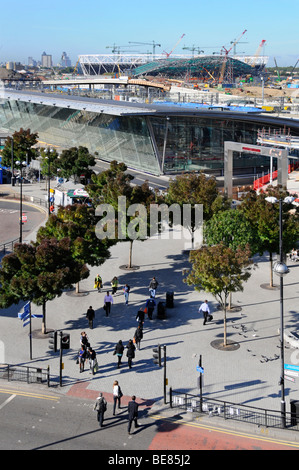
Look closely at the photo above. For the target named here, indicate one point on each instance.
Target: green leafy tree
(232, 228)
(75, 162)
(219, 270)
(39, 273)
(193, 188)
(264, 220)
(23, 142)
(114, 183)
(77, 222)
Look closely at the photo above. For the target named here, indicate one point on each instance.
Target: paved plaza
(247, 374)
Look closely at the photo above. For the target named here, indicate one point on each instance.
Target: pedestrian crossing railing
(25, 374)
(232, 411)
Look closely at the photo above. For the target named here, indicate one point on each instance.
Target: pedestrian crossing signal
(53, 341)
(157, 355)
(65, 341)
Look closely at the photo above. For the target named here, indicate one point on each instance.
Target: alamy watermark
(139, 222)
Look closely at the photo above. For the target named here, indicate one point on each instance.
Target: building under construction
(213, 68)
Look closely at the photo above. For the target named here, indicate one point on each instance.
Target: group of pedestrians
(87, 354)
(100, 406)
(119, 351)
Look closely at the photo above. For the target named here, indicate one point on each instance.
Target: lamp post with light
(21, 165)
(281, 269)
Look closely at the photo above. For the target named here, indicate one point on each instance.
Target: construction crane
(258, 51)
(116, 49)
(277, 71)
(169, 53)
(226, 55)
(154, 44)
(234, 45)
(193, 49)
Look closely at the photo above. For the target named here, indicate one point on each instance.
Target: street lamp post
(50, 151)
(21, 165)
(281, 269)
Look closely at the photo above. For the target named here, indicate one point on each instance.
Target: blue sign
(200, 369)
(291, 367)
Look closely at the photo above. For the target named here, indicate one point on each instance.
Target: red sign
(24, 218)
(251, 149)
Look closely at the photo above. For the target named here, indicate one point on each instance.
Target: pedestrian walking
(90, 315)
(130, 352)
(153, 287)
(100, 407)
(108, 301)
(126, 290)
(133, 413)
(117, 394)
(140, 316)
(82, 358)
(114, 285)
(84, 340)
(138, 336)
(91, 356)
(204, 308)
(150, 306)
(118, 351)
(98, 283)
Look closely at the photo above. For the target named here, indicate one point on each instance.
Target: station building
(160, 138)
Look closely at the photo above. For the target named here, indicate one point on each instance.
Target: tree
(193, 188)
(23, 142)
(219, 270)
(114, 183)
(231, 228)
(264, 220)
(77, 222)
(38, 273)
(75, 162)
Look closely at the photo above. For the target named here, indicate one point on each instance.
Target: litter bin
(161, 310)
(294, 412)
(169, 300)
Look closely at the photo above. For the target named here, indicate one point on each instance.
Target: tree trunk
(77, 287)
(224, 324)
(271, 270)
(130, 254)
(44, 330)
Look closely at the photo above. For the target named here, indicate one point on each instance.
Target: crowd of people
(87, 354)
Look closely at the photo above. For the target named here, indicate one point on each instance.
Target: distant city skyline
(97, 28)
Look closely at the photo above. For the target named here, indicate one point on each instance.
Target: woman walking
(114, 285)
(119, 350)
(126, 290)
(138, 336)
(130, 352)
(117, 394)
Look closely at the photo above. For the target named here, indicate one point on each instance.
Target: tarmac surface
(246, 374)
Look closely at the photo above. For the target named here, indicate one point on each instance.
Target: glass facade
(125, 139)
(152, 143)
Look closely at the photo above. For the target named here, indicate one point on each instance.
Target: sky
(96, 26)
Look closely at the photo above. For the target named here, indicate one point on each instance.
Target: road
(10, 220)
(42, 419)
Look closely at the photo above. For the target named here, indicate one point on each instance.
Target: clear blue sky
(30, 28)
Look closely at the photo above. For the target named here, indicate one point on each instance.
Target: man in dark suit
(133, 413)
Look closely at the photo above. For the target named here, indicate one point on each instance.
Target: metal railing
(227, 410)
(25, 374)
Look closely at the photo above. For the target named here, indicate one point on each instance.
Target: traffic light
(65, 341)
(53, 341)
(157, 355)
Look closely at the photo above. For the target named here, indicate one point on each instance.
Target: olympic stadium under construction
(217, 68)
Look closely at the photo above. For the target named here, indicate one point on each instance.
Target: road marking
(224, 431)
(30, 395)
(7, 401)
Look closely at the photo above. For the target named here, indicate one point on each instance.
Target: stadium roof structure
(204, 67)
